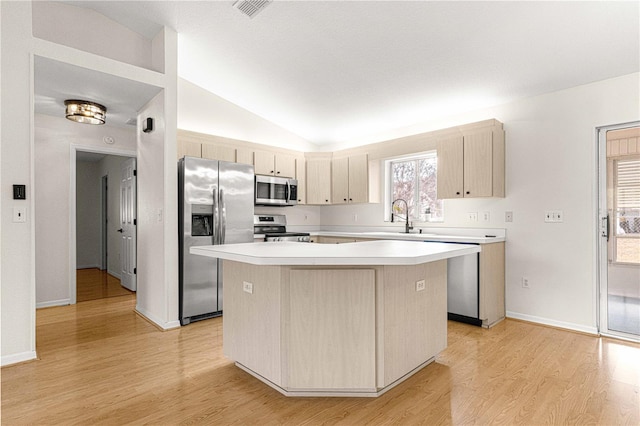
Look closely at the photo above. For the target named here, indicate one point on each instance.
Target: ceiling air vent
(251, 7)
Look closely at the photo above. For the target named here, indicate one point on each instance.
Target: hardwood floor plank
(102, 364)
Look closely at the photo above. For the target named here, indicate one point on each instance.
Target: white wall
(54, 138)
(17, 244)
(88, 215)
(203, 112)
(550, 165)
(119, 42)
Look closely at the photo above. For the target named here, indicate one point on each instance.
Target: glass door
(619, 229)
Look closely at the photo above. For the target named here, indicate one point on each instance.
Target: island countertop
(387, 252)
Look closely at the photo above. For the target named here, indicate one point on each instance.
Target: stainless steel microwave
(276, 191)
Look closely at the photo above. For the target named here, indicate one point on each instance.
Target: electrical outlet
(508, 216)
(420, 285)
(548, 216)
(486, 216)
(247, 287)
(472, 216)
(525, 282)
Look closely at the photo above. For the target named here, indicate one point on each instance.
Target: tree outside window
(414, 180)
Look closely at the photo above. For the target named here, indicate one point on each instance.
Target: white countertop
(415, 236)
(386, 252)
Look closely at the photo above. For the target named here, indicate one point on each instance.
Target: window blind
(628, 184)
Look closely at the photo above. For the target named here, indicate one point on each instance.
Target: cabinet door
(244, 156)
(450, 168)
(478, 165)
(189, 149)
(318, 180)
(340, 307)
(217, 152)
(285, 165)
(302, 180)
(264, 163)
(359, 178)
(340, 180)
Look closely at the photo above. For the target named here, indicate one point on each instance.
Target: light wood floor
(100, 363)
(92, 283)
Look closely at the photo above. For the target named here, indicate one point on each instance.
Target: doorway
(619, 230)
(96, 215)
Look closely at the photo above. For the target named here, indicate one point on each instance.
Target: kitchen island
(334, 320)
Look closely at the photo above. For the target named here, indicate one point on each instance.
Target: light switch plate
(19, 214)
(247, 287)
(420, 285)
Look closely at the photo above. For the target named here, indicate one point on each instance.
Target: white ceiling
(334, 70)
(56, 81)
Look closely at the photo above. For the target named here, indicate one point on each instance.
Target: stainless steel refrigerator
(215, 202)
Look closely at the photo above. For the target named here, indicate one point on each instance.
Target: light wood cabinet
(218, 152)
(335, 240)
(244, 156)
(318, 180)
(273, 164)
(189, 148)
(471, 165)
(302, 180)
(491, 270)
(350, 179)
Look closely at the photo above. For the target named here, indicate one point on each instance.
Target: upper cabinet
(244, 156)
(272, 164)
(218, 152)
(301, 177)
(189, 148)
(318, 180)
(471, 165)
(350, 179)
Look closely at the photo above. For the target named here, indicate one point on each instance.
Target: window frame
(387, 164)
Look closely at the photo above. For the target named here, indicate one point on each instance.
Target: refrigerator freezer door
(198, 180)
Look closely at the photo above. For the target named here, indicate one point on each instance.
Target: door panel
(128, 224)
(619, 230)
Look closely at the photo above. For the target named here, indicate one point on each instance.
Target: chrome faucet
(407, 225)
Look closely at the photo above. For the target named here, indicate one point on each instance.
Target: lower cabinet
(325, 301)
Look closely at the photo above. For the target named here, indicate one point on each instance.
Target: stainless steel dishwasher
(463, 288)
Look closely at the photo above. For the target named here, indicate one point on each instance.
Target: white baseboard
(16, 358)
(157, 321)
(88, 266)
(113, 273)
(48, 304)
(560, 324)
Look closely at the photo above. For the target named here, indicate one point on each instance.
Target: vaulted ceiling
(334, 70)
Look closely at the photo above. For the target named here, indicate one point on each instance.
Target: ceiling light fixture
(85, 112)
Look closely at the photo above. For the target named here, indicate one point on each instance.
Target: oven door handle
(288, 193)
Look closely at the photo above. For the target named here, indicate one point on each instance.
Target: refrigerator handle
(216, 218)
(223, 218)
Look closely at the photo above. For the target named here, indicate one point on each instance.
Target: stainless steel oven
(275, 191)
(273, 227)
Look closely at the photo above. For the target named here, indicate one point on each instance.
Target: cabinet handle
(350, 199)
(326, 201)
(458, 193)
(277, 172)
(345, 199)
(271, 171)
(468, 192)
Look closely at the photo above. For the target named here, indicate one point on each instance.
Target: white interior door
(619, 210)
(128, 224)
